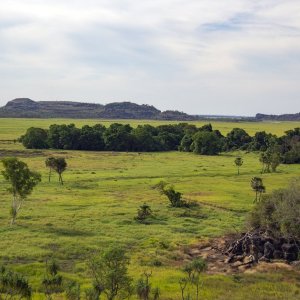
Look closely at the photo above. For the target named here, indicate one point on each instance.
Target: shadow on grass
(64, 231)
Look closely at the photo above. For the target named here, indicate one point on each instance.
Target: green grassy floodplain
(96, 208)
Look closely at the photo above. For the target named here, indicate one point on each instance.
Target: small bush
(143, 213)
(174, 197)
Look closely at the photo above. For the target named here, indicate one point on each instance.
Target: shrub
(278, 212)
(143, 213)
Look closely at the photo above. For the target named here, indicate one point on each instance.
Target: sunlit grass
(97, 205)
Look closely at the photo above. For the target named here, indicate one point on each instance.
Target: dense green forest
(146, 138)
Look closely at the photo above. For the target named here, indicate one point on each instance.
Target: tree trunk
(61, 180)
(13, 210)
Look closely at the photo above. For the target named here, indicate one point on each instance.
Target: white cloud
(200, 56)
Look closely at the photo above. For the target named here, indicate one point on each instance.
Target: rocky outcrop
(254, 247)
(27, 108)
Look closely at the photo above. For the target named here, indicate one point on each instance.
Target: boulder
(268, 250)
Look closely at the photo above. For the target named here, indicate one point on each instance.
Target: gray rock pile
(253, 247)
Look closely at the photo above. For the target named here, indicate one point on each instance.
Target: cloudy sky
(235, 57)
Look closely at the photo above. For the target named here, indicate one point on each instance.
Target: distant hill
(285, 117)
(27, 108)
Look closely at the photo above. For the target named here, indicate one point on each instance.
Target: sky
(233, 57)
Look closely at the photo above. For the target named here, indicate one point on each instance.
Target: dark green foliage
(146, 138)
(170, 136)
(290, 146)
(186, 143)
(35, 138)
(64, 137)
(143, 213)
(270, 159)
(206, 127)
(238, 162)
(58, 164)
(13, 285)
(237, 138)
(110, 273)
(118, 137)
(53, 281)
(91, 138)
(261, 141)
(174, 197)
(21, 182)
(206, 143)
(278, 212)
(258, 187)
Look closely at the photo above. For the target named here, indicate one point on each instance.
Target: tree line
(146, 138)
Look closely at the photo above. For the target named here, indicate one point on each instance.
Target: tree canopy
(21, 182)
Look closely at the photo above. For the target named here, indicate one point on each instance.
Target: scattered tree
(238, 162)
(21, 181)
(193, 271)
(49, 162)
(258, 188)
(183, 282)
(52, 282)
(110, 273)
(59, 166)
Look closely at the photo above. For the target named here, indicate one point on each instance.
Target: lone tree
(238, 162)
(193, 270)
(110, 274)
(21, 180)
(49, 162)
(59, 166)
(174, 197)
(258, 187)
